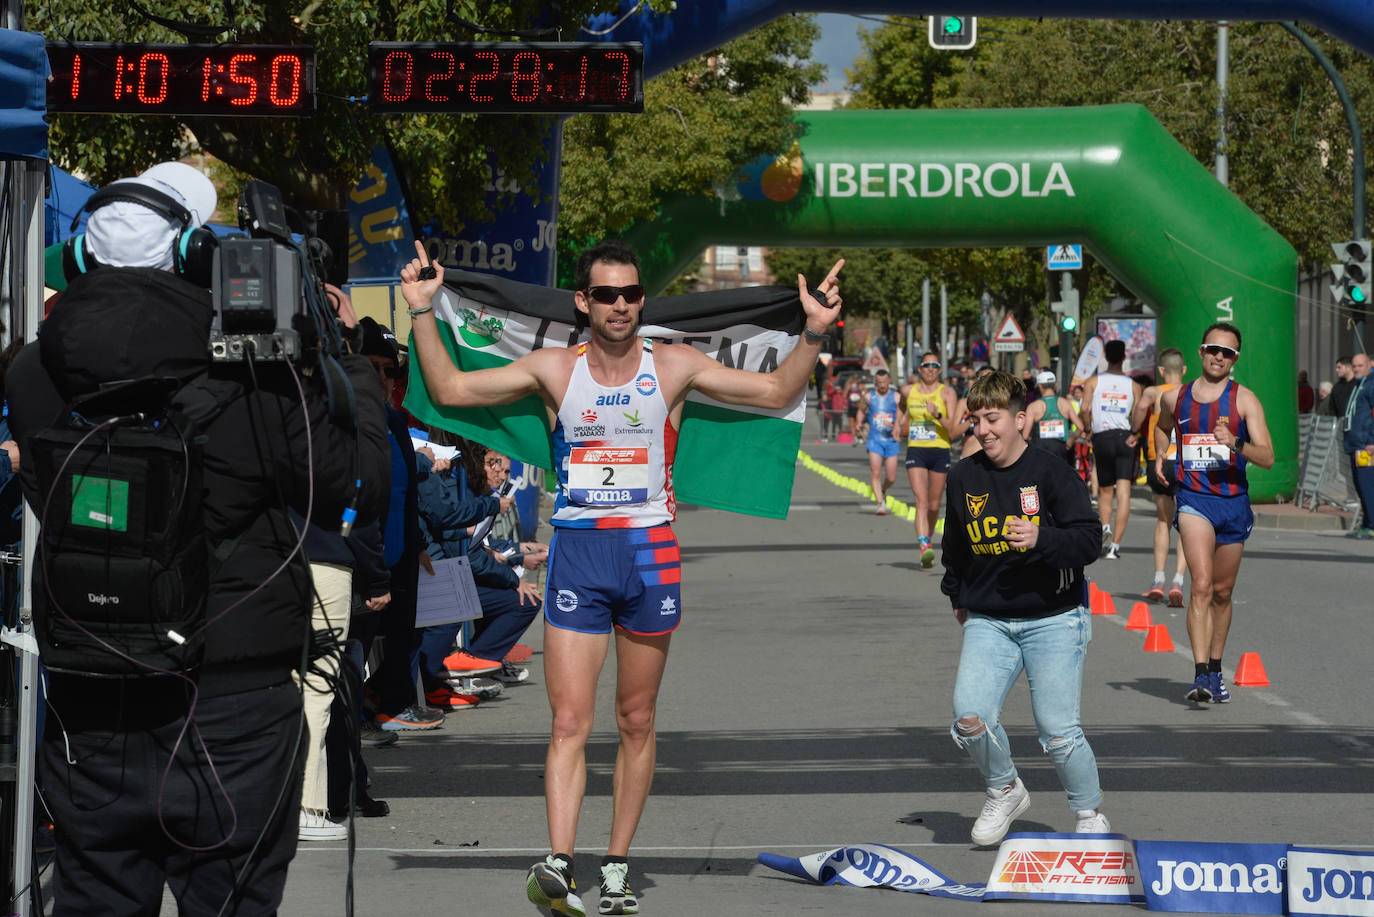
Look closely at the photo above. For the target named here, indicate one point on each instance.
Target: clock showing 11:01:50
(230, 79)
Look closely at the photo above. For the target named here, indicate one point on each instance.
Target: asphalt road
(807, 705)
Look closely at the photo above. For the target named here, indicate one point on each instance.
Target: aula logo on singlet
(566, 600)
(613, 399)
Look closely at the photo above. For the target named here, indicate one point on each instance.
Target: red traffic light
(840, 323)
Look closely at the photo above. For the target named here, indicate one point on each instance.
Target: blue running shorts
(629, 578)
(1231, 517)
(887, 448)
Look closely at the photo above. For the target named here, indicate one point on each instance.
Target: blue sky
(838, 46)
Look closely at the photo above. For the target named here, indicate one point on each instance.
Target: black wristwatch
(812, 336)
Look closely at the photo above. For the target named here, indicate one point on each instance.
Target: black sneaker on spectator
(365, 807)
(485, 688)
(370, 735)
(511, 674)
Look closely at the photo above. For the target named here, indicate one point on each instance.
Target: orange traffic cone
(1140, 617)
(1095, 599)
(1092, 593)
(1108, 604)
(1157, 641)
(1250, 672)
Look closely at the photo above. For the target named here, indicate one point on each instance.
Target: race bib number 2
(608, 477)
(1202, 452)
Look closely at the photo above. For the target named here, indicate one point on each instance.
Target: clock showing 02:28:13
(229, 79)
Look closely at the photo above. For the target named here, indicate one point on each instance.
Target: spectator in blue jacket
(509, 602)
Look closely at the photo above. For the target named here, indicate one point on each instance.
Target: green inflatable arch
(1109, 177)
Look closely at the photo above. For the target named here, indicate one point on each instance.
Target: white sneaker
(1106, 539)
(1113, 553)
(1091, 821)
(316, 827)
(1000, 810)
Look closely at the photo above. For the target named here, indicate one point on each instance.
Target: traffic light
(1068, 307)
(1352, 275)
(953, 33)
(839, 335)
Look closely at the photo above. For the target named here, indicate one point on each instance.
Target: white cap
(1045, 378)
(125, 234)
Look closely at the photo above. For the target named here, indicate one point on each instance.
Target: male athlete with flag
(614, 561)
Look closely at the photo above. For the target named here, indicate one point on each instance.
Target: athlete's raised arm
(781, 387)
(447, 384)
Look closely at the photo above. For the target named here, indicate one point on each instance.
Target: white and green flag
(728, 457)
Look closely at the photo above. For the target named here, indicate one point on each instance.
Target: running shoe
(1175, 597)
(519, 653)
(1218, 688)
(1113, 552)
(882, 510)
(484, 688)
(1106, 539)
(1155, 593)
(999, 811)
(512, 674)
(445, 698)
(1091, 821)
(927, 557)
(616, 895)
(411, 719)
(1201, 691)
(551, 884)
(466, 665)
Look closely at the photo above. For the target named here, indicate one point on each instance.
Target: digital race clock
(506, 77)
(141, 79)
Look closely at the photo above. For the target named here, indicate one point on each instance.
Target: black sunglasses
(930, 366)
(1220, 350)
(607, 295)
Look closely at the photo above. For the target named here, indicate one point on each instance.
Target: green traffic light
(1357, 294)
(954, 25)
(1068, 323)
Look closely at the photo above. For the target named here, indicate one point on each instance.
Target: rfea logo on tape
(1066, 867)
(1322, 881)
(1212, 878)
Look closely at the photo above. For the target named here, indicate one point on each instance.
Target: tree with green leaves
(703, 121)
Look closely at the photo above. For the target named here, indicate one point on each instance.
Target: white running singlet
(613, 451)
(1113, 400)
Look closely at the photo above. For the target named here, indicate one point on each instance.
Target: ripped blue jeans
(1051, 650)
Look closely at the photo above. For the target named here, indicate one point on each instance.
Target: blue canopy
(23, 95)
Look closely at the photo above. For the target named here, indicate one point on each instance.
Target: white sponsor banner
(1066, 867)
(1322, 881)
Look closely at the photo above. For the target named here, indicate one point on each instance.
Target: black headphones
(193, 250)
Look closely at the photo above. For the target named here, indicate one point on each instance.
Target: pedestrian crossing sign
(1064, 257)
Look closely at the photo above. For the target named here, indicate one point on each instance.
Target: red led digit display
(239, 80)
(506, 77)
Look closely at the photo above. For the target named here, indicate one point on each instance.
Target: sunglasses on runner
(1220, 350)
(930, 366)
(607, 295)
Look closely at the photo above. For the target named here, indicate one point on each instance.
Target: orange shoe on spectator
(519, 653)
(466, 665)
(445, 698)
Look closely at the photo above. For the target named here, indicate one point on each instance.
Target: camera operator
(150, 781)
